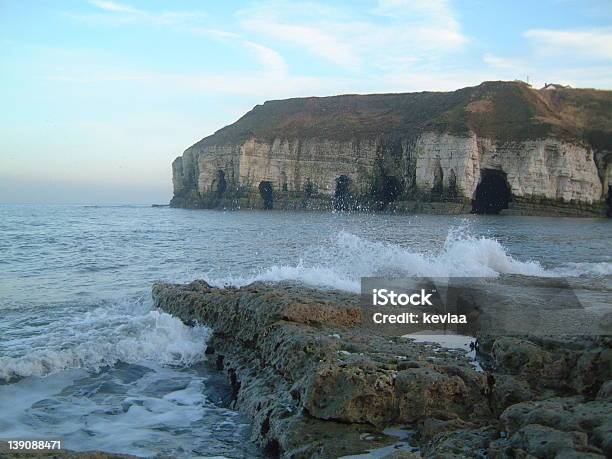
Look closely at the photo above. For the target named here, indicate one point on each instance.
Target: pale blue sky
(98, 97)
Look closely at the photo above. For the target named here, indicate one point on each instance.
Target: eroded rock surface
(317, 384)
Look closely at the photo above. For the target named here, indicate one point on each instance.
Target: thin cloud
(499, 62)
(270, 59)
(409, 33)
(593, 43)
(395, 32)
(398, 45)
(314, 40)
(580, 58)
(115, 14)
(123, 14)
(438, 12)
(115, 7)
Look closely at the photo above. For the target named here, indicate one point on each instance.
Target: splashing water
(103, 337)
(347, 258)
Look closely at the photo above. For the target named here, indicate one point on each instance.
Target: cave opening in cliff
(220, 184)
(309, 188)
(267, 194)
(342, 196)
(438, 180)
(390, 189)
(609, 202)
(492, 193)
(451, 193)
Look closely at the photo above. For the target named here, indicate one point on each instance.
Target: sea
(87, 360)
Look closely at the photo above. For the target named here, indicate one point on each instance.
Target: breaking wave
(102, 337)
(348, 257)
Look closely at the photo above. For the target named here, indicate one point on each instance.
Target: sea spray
(345, 258)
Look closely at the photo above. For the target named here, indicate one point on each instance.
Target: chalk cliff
(497, 147)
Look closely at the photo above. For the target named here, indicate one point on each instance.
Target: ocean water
(86, 359)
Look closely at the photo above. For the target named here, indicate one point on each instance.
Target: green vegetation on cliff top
(505, 111)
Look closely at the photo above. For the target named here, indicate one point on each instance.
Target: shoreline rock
(317, 384)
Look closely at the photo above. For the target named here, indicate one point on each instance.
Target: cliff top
(500, 110)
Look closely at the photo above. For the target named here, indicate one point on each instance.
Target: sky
(98, 97)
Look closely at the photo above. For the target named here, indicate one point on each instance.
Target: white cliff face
(178, 182)
(546, 168)
(288, 165)
(212, 162)
(549, 168)
(456, 157)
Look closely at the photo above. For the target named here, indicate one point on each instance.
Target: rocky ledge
(318, 384)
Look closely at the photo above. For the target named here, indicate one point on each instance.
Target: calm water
(85, 359)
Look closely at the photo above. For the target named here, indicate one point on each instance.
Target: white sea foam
(348, 257)
(144, 410)
(104, 337)
(582, 269)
